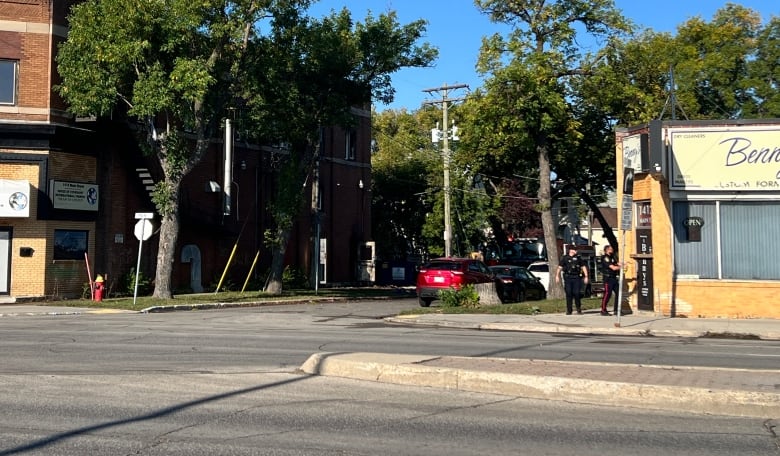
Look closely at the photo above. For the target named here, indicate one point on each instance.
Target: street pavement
(718, 391)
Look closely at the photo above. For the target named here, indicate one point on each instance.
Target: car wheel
(425, 302)
(520, 296)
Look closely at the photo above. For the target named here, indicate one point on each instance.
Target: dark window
(8, 69)
(70, 244)
(351, 143)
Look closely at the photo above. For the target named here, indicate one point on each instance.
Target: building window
(70, 244)
(351, 142)
(8, 80)
(723, 239)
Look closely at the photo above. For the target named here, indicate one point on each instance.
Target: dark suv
(446, 273)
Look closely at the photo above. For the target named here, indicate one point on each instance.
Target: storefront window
(749, 234)
(726, 240)
(70, 244)
(695, 239)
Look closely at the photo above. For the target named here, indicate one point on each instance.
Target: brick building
(70, 187)
(699, 210)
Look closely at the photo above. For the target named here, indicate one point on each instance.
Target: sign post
(626, 220)
(143, 231)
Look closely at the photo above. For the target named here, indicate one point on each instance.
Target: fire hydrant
(99, 288)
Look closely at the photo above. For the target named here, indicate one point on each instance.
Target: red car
(446, 273)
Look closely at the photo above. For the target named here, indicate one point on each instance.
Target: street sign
(627, 213)
(144, 215)
(143, 229)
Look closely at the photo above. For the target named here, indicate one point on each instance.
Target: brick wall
(27, 273)
(26, 37)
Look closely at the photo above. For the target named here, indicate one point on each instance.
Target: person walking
(610, 268)
(574, 272)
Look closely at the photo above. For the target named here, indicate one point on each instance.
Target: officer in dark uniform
(575, 273)
(610, 268)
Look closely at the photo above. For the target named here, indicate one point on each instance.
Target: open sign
(693, 227)
(693, 222)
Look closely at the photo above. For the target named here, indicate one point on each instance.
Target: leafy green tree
(311, 73)
(401, 164)
(712, 62)
(764, 74)
(408, 188)
(725, 68)
(529, 75)
(169, 66)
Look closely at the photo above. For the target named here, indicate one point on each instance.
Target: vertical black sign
(644, 278)
(644, 272)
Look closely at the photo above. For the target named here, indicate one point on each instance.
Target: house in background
(70, 189)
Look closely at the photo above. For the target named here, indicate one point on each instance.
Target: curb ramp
(729, 392)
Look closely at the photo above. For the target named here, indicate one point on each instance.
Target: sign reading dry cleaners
(78, 196)
(14, 198)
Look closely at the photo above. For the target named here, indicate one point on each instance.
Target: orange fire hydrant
(99, 288)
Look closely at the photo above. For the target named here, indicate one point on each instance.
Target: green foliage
(725, 68)
(294, 279)
(127, 284)
(465, 297)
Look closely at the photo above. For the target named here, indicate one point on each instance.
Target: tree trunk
(548, 224)
(169, 235)
(275, 284)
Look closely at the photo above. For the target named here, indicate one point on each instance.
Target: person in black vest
(610, 268)
(575, 273)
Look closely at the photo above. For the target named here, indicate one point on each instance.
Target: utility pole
(444, 135)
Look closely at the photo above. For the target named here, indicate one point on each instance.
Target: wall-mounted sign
(693, 228)
(644, 216)
(77, 196)
(14, 198)
(634, 149)
(725, 158)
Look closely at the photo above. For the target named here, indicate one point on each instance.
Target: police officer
(574, 272)
(610, 268)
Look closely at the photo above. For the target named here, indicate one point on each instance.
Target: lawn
(234, 298)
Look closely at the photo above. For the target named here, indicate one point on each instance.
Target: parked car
(516, 284)
(445, 273)
(541, 269)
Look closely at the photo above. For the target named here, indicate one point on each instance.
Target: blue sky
(457, 28)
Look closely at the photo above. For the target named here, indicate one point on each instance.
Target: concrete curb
(410, 370)
(553, 327)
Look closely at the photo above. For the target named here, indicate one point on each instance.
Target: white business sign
(632, 153)
(726, 158)
(77, 196)
(14, 198)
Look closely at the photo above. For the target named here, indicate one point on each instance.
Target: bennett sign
(726, 158)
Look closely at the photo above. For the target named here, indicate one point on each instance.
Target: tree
(168, 66)
(310, 74)
(764, 74)
(529, 72)
(408, 187)
(401, 165)
(723, 69)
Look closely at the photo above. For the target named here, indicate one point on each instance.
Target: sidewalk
(591, 322)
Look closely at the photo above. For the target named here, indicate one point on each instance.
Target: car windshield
(539, 268)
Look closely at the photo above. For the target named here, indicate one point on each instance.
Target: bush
(128, 284)
(466, 297)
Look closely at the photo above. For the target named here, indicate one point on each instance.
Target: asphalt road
(226, 382)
